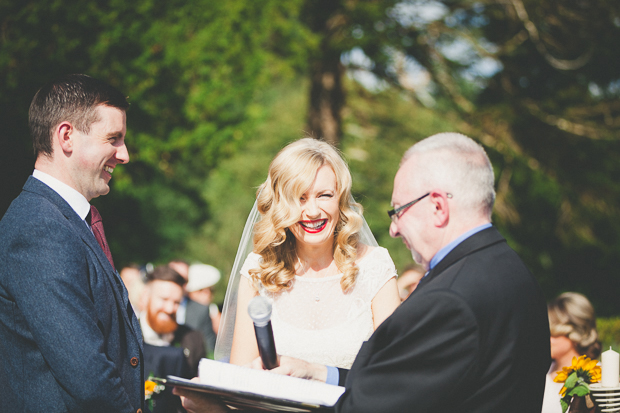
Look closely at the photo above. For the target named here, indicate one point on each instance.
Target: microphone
(259, 310)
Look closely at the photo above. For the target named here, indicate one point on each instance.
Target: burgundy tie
(97, 227)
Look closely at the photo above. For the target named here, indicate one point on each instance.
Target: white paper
(232, 377)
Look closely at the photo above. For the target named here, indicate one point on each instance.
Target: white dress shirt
(75, 200)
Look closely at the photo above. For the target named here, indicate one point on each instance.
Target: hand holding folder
(243, 387)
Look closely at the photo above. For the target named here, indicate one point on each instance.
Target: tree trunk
(327, 20)
(326, 96)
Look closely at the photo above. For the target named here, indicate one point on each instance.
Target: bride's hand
(293, 367)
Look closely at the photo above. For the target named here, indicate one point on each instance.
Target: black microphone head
(259, 310)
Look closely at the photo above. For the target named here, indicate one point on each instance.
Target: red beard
(161, 323)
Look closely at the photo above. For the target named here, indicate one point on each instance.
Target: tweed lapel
(35, 186)
(476, 242)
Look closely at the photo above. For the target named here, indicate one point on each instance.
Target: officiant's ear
(440, 200)
(64, 134)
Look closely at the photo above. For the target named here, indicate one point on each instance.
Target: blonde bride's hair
(291, 173)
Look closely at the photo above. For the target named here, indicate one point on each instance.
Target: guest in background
(169, 348)
(181, 267)
(193, 314)
(202, 278)
(160, 300)
(572, 323)
(132, 278)
(409, 280)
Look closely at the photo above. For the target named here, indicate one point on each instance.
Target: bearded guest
(169, 348)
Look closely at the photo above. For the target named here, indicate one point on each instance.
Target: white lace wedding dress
(315, 321)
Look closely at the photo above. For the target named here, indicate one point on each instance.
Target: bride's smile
(313, 227)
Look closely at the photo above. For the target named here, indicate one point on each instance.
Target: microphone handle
(266, 346)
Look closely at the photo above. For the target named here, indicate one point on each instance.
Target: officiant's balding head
(443, 188)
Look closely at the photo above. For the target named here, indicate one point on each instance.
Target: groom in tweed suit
(69, 340)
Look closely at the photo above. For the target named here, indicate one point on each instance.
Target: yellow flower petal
(590, 365)
(561, 377)
(581, 361)
(595, 374)
(149, 386)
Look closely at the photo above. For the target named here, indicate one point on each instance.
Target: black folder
(245, 400)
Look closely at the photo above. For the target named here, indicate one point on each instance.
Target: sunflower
(577, 378)
(149, 388)
(584, 367)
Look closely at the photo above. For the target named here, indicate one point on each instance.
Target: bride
(313, 258)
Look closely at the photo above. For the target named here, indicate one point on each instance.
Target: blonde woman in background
(572, 323)
(314, 259)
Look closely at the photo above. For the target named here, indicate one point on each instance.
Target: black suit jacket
(193, 347)
(69, 340)
(197, 317)
(179, 359)
(473, 337)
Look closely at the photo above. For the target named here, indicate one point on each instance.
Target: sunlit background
(217, 88)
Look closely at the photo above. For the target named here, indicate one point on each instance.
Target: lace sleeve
(376, 269)
(251, 262)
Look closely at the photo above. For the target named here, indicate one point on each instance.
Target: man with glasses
(474, 335)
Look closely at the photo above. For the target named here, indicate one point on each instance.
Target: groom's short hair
(73, 98)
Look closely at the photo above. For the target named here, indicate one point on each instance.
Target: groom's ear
(63, 137)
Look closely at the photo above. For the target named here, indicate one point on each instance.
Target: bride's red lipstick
(313, 230)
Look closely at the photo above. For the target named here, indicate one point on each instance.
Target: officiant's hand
(293, 367)
(195, 402)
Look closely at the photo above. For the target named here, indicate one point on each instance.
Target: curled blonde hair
(572, 315)
(291, 173)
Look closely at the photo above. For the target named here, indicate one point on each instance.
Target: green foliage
(212, 103)
(571, 381)
(576, 386)
(192, 72)
(609, 332)
(580, 390)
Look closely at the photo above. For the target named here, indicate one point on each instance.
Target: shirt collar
(445, 250)
(75, 200)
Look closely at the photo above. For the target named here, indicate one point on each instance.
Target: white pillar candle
(610, 363)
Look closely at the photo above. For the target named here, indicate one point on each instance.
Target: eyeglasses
(396, 213)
